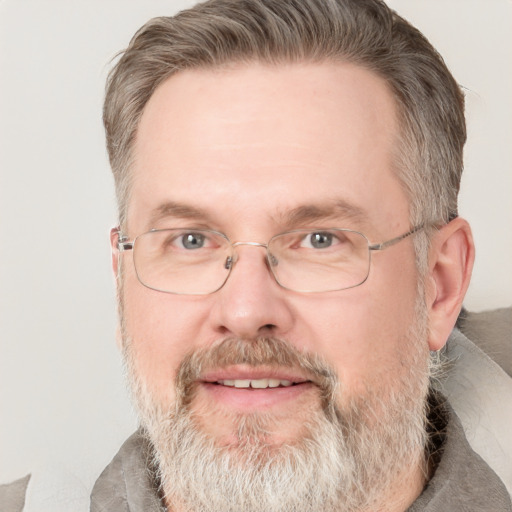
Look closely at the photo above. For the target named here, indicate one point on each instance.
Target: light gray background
(62, 399)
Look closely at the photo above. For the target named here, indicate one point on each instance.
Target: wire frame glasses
(198, 262)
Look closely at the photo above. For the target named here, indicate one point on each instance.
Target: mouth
(257, 383)
(249, 390)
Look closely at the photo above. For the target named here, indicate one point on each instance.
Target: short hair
(430, 104)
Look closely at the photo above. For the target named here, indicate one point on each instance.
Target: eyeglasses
(198, 262)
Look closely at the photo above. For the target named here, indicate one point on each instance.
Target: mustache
(270, 352)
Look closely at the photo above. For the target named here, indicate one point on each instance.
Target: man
(290, 262)
(288, 254)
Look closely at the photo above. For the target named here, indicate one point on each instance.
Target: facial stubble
(343, 460)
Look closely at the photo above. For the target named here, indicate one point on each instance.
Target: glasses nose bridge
(254, 244)
(234, 257)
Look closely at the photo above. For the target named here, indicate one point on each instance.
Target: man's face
(253, 151)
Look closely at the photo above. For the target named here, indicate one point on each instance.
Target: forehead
(261, 140)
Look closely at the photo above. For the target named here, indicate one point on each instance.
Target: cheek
(163, 329)
(364, 332)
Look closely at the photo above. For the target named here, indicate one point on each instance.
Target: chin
(271, 428)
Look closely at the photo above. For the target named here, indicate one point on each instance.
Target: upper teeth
(255, 383)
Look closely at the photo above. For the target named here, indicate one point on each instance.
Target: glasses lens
(319, 260)
(182, 261)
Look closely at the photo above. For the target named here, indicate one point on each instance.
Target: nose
(251, 303)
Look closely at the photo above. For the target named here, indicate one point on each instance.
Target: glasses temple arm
(122, 243)
(393, 241)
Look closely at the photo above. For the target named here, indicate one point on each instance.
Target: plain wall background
(62, 397)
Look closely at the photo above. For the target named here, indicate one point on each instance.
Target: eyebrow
(337, 209)
(299, 216)
(176, 210)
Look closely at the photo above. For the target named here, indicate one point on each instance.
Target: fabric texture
(126, 484)
(12, 496)
(480, 392)
(462, 482)
(491, 331)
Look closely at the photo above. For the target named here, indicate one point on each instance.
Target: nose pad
(272, 260)
(229, 263)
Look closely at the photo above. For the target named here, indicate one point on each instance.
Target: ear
(114, 238)
(114, 250)
(451, 260)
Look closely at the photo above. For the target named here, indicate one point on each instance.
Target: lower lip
(250, 399)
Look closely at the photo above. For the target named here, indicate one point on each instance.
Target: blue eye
(193, 240)
(318, 240)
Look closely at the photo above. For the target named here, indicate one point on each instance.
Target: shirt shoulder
(12, 495)
(491, 331)
(463, 481)
(128, 483)
(480, 392)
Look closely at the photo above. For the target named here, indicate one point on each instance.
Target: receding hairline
(431, 127)
(235, 65)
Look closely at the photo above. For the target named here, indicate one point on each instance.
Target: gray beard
(345, 460)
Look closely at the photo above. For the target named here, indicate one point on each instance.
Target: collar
(127, 483)
(480, 392)
(462, 481)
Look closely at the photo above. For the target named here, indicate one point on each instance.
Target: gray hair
(430, 104)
